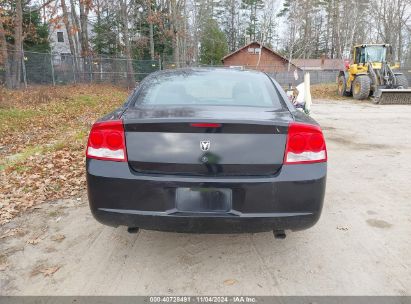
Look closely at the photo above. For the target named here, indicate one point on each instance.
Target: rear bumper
(292, 199)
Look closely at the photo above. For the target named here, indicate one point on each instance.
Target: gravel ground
(360, 246)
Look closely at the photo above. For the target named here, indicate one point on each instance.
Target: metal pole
(91, 68)
(101, 68)
(52, 69)
(73, 67)
(24, 67)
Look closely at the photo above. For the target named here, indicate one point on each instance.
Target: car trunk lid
(247, 142)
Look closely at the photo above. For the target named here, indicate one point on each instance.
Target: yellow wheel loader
(371, 75)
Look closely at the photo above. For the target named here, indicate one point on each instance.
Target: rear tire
(402, 81)
(342, 86)
(361, 87)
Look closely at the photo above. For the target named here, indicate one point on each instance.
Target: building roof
(319, 64)
(263, 46)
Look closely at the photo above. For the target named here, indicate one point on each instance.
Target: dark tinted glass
(60, 37)
(209, 87)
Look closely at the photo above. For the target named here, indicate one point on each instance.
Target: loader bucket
(393, 96)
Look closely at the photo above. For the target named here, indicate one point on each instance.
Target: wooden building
(249, 57)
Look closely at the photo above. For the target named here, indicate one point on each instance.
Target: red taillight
(205, 125)
(107, 141)
(305, 144)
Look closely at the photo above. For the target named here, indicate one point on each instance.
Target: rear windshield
(209, 87)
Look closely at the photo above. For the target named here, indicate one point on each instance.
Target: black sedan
(207, 150)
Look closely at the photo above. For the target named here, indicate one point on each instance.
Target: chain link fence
(57, 69)
(60, 69)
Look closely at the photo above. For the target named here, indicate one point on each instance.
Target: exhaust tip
(279, 234)
(132, 229)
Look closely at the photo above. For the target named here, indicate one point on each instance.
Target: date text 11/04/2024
(203, 299)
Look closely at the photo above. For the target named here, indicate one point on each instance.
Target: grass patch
(87, 100)
(46, 119)
(19, 168)
(3, 259)
(13, 119)
(80, 135)
(38, 116)
(16, 161)
(43, 133)
(55, 213)
(26, 109)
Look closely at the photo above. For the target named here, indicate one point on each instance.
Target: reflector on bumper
(305, 156)
(106, 153)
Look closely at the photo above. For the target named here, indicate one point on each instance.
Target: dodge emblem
(205, 145)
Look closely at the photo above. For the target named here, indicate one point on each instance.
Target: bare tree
(84, 6)
(151, 28)
(18, 47)
(4, 53)
(76, 24)
(267, 24)
(391, 18)
(230, 22)
(126, 38)
(174, 14)
(68, 27)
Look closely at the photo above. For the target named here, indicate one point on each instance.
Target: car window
(202, 87)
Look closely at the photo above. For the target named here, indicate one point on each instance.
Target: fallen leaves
(3, 266)
(58, 238)
(38, 237)
(26, 121)
(30, 189)
(12, 232)
(3, 262)
(230, 282)
(42, 139)
(49, 271)
(46, 271)
(33, 241)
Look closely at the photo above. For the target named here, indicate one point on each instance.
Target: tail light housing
(107, 141)
(305, 144)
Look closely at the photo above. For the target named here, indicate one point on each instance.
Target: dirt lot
(361, 245)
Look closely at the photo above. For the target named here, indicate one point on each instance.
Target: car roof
(187, 70)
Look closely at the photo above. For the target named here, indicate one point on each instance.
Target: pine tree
(213, 44)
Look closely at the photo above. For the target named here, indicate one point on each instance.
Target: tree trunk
(18, 46)
(184, 44)
(126, 37)
(68, 27)
(71, 37)
(232, 30)
(84, 9)
(5, 55)
(196, 24)
(151, 30)
(76, 24)
(327, 33)
(399, 16)
(85, 52)
(174, 29)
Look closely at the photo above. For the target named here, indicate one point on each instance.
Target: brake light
(107, 141)
(305, 144)
(206, 125)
